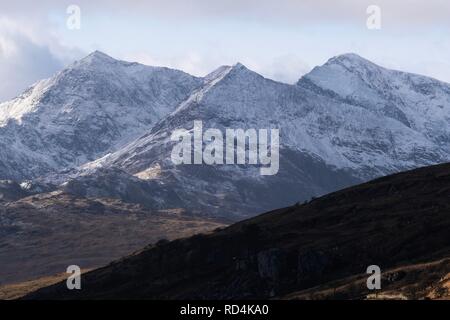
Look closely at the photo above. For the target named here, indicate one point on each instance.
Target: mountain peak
(239, 66)
(221, 72)
(349, 59)
(218, 73)
(99, 55)
(333, 72)
(96, 57)
(348, 56)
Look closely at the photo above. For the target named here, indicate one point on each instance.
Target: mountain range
(101, 129)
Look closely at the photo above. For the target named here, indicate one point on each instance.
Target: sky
(281, 39)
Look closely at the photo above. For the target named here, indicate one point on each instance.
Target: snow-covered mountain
(345, 122)
(332, 136)
(87, 110)
(417, 102)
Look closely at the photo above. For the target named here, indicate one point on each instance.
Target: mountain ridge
(96, 96)
(348, 141)
(345, 122)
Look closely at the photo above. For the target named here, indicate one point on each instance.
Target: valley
(42, 235)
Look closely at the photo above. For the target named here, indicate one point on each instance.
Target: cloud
(279, 39)
(24, 58)
(22, 63)
(190, 62)
(408, 13)
(286, 68)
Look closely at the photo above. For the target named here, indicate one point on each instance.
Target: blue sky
(280, 39)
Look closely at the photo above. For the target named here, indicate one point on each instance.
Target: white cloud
(279, 39)
(286, 68)
(190, 62)
(24, 58)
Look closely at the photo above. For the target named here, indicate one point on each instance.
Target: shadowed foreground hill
(393, 222)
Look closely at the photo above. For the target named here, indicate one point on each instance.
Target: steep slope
(329, 140)
(90, 108)
(394, 221)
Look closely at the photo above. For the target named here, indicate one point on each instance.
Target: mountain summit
(51, 126)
